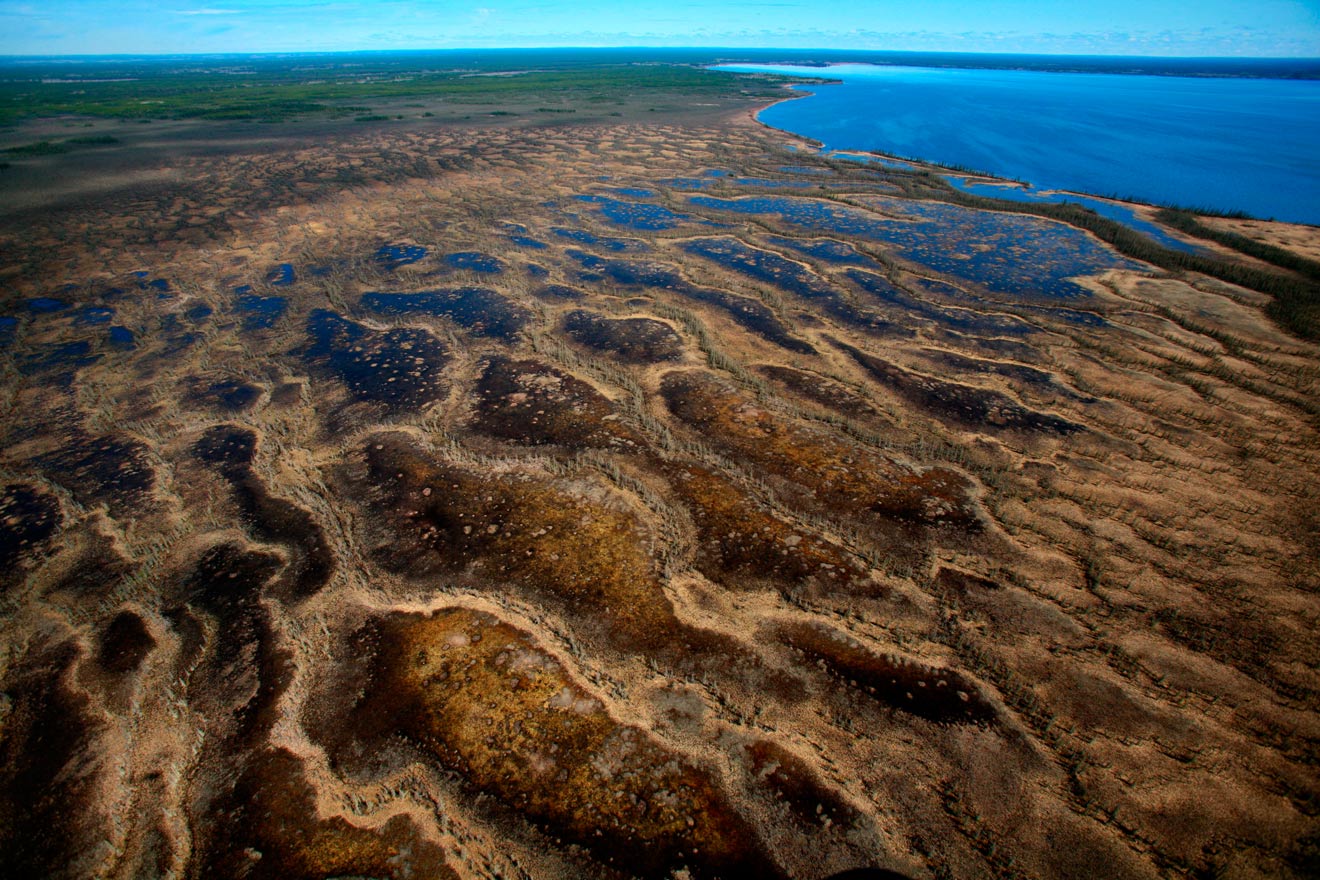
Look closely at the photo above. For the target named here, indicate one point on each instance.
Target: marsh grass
(1295, 293)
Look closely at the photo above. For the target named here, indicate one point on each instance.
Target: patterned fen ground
(647, 500)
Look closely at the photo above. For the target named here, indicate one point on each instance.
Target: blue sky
(1127, 27)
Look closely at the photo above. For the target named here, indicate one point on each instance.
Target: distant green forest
(277, 89)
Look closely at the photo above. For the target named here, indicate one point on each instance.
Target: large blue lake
(1220, 142)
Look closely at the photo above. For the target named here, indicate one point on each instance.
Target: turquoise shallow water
(1219, 142)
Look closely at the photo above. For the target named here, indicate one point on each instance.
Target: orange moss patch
(267, 827)
(841, 475)
(486, 701)
(587, 558)
(742, 545)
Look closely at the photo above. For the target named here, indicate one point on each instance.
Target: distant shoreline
(808, 81)
(1215, 67)
(1116, 65)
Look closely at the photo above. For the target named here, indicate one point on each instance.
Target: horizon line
(641, 48)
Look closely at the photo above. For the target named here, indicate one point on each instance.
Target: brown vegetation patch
(227, 578)
(557, 293)
(960, 404)
(940, 695)
(964, 584)
(1231, 633)
(632, 340)
(1040, 381)
(51, 820)
(231, 449)
(826, 392)
(124, 643)
(532, 403)
(28, 518)
(240, 670)
(841, 475)
(581, 554)
(568, 545)
(109, 469)
(740, 544)
(938, 496)
(224, 395)
(267, 826)
(796, 784)
(96, 564)
(485, 701)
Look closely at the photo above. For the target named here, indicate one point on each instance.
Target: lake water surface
(1219, 142)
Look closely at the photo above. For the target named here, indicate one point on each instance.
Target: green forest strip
(276, 95)
(1294, 293)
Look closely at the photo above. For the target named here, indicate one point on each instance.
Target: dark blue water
(827, 250)
(402, 368)
(882, 161)
(1006, 253)
(1221, 142)
(282, 275)
(198, 313)
(1112, 210)
(688, 184)
(788, 275)
(260, 312)
(122, 338)
(760, 265)
(42, 305)
(475, 261)
(750, 313)
(634, 192)
(51, 356)
(635, 215)
(146, 282)
(481, 311)
(965, 320)
(392, 256)
(620, 245)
